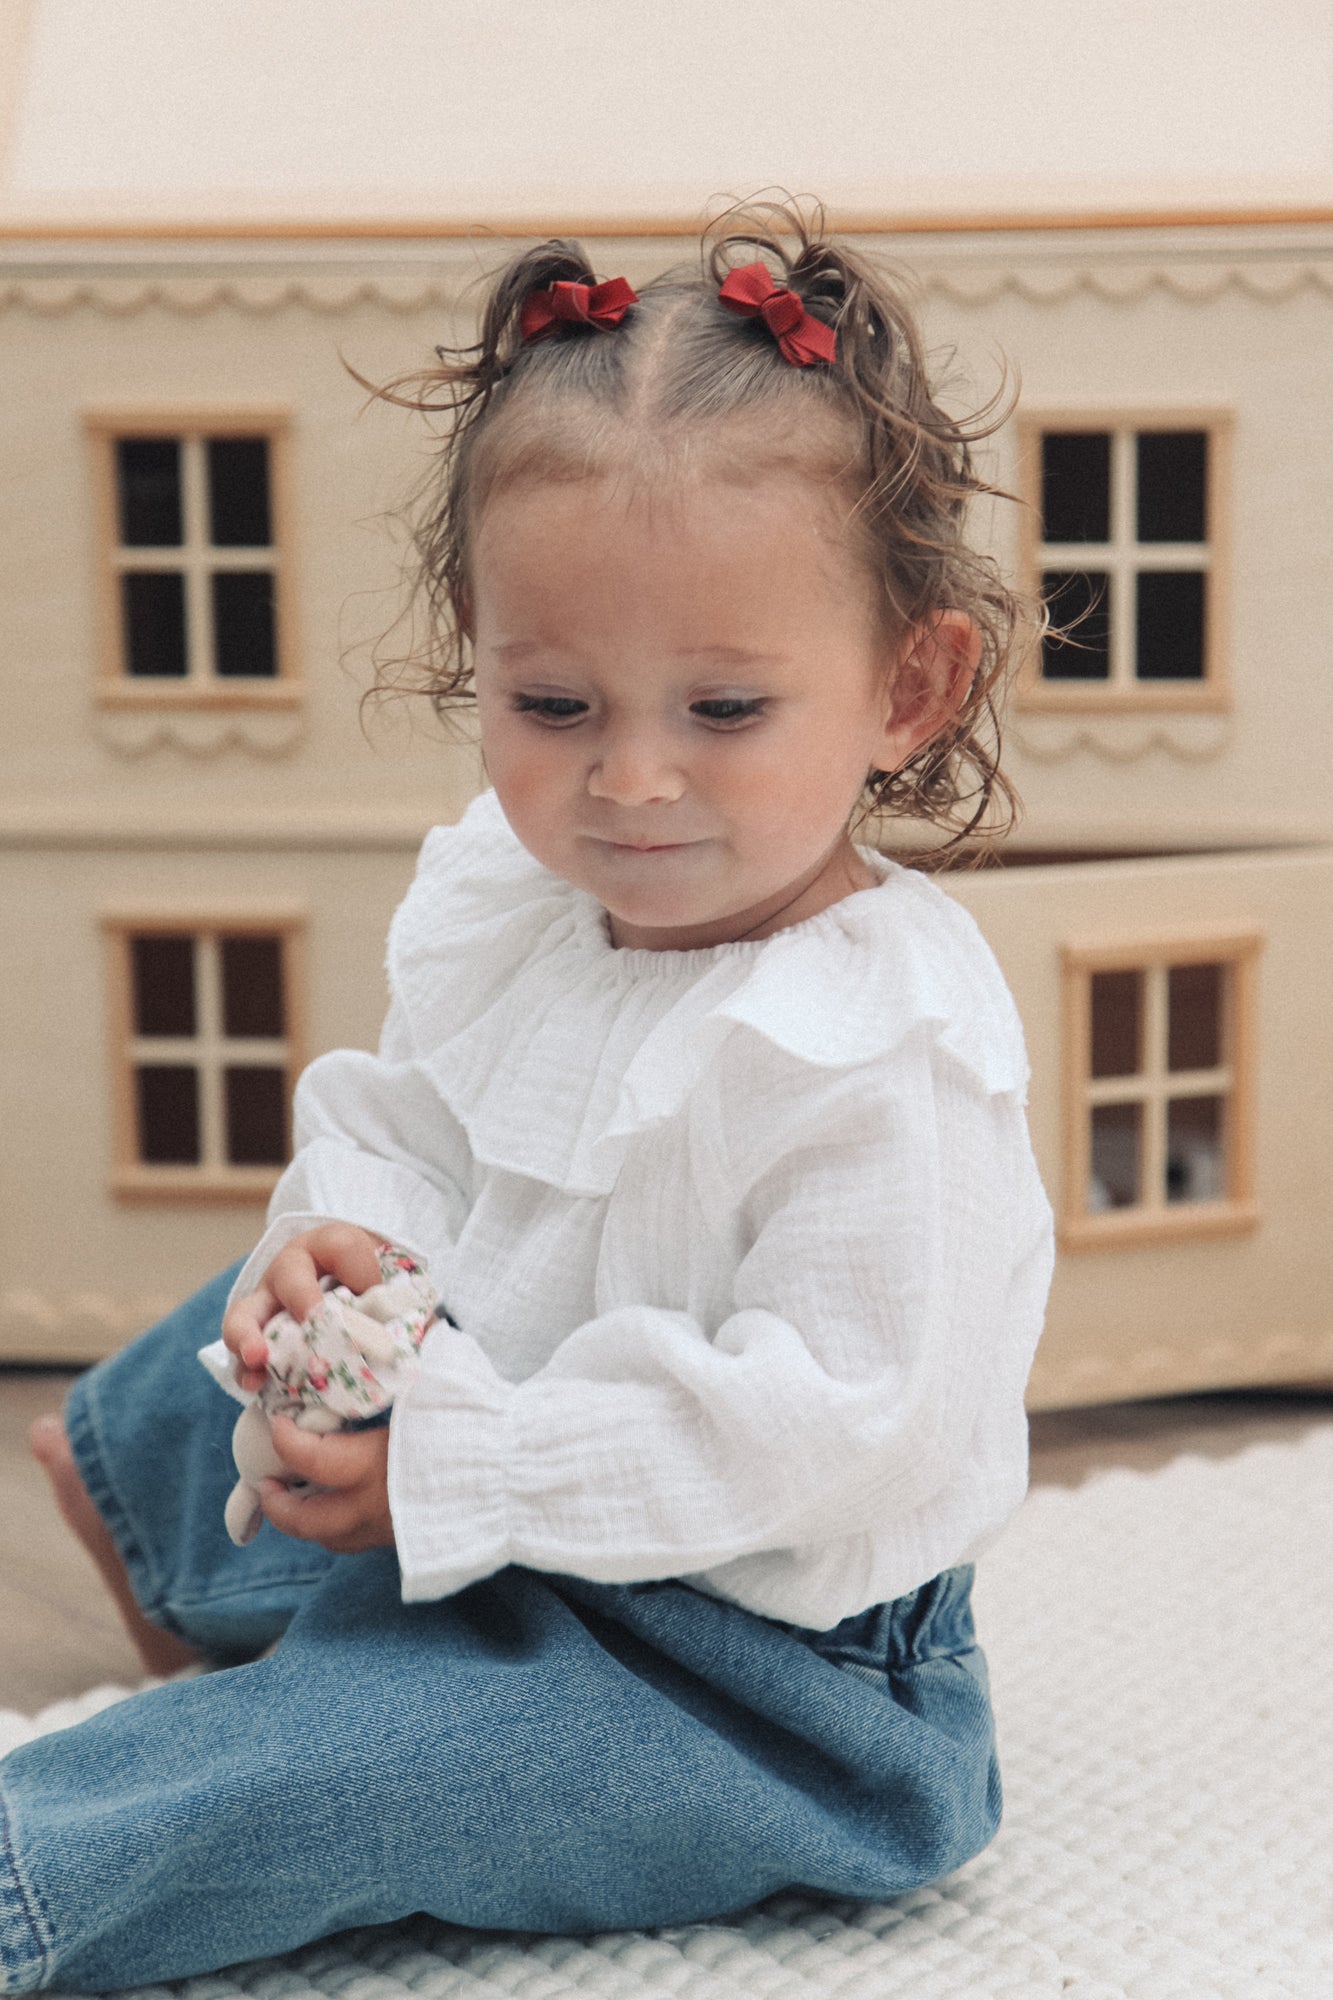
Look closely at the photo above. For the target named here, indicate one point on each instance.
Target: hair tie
(802, 339)
(569, 304)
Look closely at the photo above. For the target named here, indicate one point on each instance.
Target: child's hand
(336, 1249)
(353, 1514)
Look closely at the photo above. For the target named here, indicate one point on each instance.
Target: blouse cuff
(333, 1183)
(447, 1461)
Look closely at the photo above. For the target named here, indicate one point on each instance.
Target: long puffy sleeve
(373, 1147)
(891, 1265)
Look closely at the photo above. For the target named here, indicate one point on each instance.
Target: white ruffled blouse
(747, 1244)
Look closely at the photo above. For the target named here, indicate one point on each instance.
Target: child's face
(680, 699)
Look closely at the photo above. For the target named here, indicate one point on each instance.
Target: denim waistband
(926, 1624)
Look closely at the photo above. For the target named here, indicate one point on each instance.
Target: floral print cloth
(352, 1355)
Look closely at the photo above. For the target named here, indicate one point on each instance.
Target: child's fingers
(346, 1508)
(338, 1460)
(341, 1523)
(243, 1332)
(347, 1252)
(338, 1250)
(331, 1519)
(293, 1278)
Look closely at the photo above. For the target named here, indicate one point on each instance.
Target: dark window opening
(1169, 625)
(153, 618)
(1117, 1146)
(244, 640)
(238, 493)
(1194, 1149)
(252, 1000)
(163, 985)
(1076, 486)
(168, 1112)
(148, 492)
(256, 1105)
(1078, 603)
(1172, 486)
(1117, 1023)
(1194, 1017)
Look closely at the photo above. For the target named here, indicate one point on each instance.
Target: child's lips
(646, 846)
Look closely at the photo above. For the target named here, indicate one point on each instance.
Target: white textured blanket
(1161, 1651)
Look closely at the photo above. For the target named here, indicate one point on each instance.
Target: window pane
(1194, 1017)
(1080, 601)
(163, 977)
(252, 986)
(1172, 486)
(153, 613)
(238, 510)
(168, 1096)
(1076, 486)
(243, 638)
(1169, 625)
(148, 492)
(256, 1100)
(1117, 1149)
(1195, 1168)
(1117, 1014)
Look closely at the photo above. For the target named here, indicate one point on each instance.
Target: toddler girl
(707, 1122)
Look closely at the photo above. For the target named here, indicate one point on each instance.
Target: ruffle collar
(553, 1048)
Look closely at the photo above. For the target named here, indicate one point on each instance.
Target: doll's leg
(150, 1436)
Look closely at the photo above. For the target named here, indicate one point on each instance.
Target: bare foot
(161, 1652)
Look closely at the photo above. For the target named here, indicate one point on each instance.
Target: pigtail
(456, 394)
(917, 480)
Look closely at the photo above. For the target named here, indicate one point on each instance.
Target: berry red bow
(575, 305)
(802, 339)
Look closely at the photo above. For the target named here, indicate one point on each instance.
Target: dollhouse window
(1126, 556)
(193, 567)
(204, 1056)
(1159, 1090)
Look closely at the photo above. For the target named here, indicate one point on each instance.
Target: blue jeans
(536, 1753)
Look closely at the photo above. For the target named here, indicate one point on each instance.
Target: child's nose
(635, 767)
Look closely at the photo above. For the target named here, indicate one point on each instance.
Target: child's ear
(930, 678)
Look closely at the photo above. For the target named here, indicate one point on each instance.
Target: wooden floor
(59, 1634)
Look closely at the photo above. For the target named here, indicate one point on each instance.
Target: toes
(47, 1440)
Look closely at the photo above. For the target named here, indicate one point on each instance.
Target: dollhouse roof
(117, 113)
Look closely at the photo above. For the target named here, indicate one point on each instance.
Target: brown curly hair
(678, 370)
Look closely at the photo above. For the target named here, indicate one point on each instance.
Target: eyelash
(558, 711)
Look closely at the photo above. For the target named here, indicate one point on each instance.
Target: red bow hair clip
(802, 339)
(567, 304)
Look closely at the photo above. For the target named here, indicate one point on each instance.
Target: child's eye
(555, 708)
(728, 709)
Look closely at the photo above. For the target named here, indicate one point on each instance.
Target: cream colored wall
(62, 755)
(80, 1271)
(1232, 325)
(1163, 1318)
(471, 111)
(107, 810)
(98, 809)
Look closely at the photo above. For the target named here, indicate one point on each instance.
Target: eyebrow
(521, 649)
(738, 656)
(515, 654)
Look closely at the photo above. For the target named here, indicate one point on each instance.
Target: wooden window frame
(115, 687)
(1234, 1079)
(1125, 696)
(132, 1180)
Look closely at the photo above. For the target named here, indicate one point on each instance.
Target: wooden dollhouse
(200, 845)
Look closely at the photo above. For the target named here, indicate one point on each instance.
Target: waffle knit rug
(1161, 1650)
